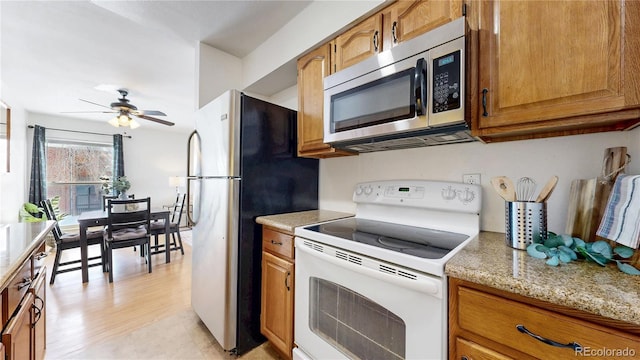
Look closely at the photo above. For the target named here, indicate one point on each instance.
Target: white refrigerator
(242, 164)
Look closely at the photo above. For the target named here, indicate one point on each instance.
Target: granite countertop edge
(9, 270)
(289, 221)
(580, 285)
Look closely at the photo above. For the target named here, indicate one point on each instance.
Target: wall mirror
(5, 136)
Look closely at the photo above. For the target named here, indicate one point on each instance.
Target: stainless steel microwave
(411, 95)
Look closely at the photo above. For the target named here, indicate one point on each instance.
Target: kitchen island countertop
(17, 242)
(288, 222)
(607, 291)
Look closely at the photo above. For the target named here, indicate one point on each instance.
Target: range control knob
(368, 190)
(359, 191)
(466, 195)
(448, 193)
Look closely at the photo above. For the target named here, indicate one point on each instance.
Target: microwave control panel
(446, 82)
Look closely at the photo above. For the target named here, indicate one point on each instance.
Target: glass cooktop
(411, 240)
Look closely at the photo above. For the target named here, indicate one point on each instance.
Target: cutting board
(588, 197)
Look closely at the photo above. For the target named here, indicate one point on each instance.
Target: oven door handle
(422, 284)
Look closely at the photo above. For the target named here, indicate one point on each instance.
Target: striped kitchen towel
(621, 219)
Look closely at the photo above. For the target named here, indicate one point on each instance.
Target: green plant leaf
(627, 269)
(564, 257)
(584, 252)
(553, 261)
(577, 242)
(567, 250)
(537, 251)
(624, 252)
(602, 248)
(554, 241)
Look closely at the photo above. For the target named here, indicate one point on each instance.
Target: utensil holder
(525, 223)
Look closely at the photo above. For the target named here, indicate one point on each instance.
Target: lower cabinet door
(471, 351)
(17, 334)
(276, 316)
(39, 334)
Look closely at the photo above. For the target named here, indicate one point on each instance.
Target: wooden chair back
(130, 213)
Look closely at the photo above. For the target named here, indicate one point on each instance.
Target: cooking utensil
(526, 189)
(504, 187)
(547, 189)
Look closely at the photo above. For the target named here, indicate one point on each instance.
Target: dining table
(93, 218)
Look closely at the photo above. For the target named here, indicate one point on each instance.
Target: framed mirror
(5, 136)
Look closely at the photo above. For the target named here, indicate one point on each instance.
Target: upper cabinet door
(312, 69)
(547, 60)
(410, 18)
(359, 42)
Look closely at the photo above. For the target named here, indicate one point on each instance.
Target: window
(73, 173)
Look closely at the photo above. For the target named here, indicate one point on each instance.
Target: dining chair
(158, 228)
(128, 225)
(105, 198)
(66, 241)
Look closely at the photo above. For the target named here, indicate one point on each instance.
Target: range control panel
(437, 195)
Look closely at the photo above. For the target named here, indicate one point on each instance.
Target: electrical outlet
(472, 179)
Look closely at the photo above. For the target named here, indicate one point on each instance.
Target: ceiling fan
(125, 112)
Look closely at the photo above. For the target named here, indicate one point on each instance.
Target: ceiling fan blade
(88, 112)
(163, 122)
(91, 102)
(151, 112)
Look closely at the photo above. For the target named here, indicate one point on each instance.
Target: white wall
(569, 157)
(14, 186)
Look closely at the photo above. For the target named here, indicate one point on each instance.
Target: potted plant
(31, 213)
(121, 185)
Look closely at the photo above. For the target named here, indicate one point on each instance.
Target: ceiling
(54, 53)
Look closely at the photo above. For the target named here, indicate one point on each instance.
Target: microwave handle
(420, 86)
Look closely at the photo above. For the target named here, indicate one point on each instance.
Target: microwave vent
(408, 141)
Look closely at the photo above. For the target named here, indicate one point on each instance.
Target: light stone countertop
(288, 222)
(581, 285)
(17, 242)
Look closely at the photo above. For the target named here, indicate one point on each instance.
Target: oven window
(383, 100)
(353, 324)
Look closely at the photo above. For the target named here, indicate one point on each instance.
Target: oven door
(350, 306)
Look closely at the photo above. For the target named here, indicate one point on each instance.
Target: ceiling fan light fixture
(114, 122)
(134, 124)
(124, 120)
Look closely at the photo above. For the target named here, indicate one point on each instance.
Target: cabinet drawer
(496, 318)
(470, 350)
(277, 243)
(17, 288)
(38, 259)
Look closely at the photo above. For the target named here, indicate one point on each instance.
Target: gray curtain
(118, 157)
(38, 181)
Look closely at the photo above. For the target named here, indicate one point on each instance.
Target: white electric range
(373, 286)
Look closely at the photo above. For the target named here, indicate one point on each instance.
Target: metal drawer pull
(40, 255)
(276, 242)
(571, 345)
(26, 282)
(286, 281)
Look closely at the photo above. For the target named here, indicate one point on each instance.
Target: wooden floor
(139, 315)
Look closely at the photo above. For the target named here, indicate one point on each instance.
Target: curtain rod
(80, 132)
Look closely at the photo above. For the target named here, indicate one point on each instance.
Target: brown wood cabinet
(406, 19)
(486, 323)
(358, 43)
(276, 315)
(312, 69)
(550, 68)
(16, 336)
(39, 326)
(23, 296)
